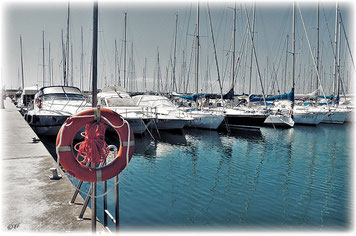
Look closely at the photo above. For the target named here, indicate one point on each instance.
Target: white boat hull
(308, 118)
(279, 121)
(335, 117)
(139, 126)
(205, 120)
(349, 117)
(50, 125)
(169, 124)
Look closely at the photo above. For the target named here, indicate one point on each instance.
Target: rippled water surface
(275, 178)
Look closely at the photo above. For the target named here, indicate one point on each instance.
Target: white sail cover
(153, 101)
(305, 96)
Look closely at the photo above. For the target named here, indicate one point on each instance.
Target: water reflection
(269, 177)
(289, 162)
(203, 148)
(177, 138)
(145, 147)
(251, 135)
(252, 189)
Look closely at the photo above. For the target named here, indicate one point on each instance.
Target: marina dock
(31, 201)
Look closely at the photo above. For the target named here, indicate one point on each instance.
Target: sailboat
(203, 119)
(280, 115)
(301, 114)
(336, 114)
(244, 116)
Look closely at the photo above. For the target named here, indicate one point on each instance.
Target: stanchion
(94, 97)
(117, 202)
(93, 208)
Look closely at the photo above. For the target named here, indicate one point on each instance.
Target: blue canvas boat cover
(286, 96)
(191, 97)
(331, 97)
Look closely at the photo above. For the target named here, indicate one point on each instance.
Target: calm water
(296, 178)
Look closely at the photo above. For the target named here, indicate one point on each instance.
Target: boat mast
(49, 63)
(174, 57)
(215, 54)
(115, 63)
(197, 56)
(71, 65)
(43, 59)
(158, 73)
(22, 76)
(317, 45)
(293, 52)
(132, 68)
(233, 50)
(338, 64)
(145, 75)
(346, 39)
(255, 55)
(95, 54)
(253, 30)
(125, 50)
(335, 49)
(183, 73)
(285, 69)
(64, 61)
(52, 71)
(67, 50)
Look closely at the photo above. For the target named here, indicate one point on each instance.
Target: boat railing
(149, 111)
(81, 105)
(68, 100)
(50, 107)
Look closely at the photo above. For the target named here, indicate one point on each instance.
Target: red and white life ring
(64, 145)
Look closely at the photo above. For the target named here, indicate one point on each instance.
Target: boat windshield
(120, 102)
(64, 96)
(60, 93)
(59, 90)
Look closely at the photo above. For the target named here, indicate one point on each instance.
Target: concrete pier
(30, 200)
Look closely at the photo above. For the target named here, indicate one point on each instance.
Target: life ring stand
(64, 145)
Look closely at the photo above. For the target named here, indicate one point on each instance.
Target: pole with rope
(94, 103)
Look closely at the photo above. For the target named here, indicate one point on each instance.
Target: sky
(151, 31)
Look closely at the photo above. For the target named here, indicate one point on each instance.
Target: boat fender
(39, 102)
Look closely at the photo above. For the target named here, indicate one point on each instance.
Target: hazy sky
(151, 27)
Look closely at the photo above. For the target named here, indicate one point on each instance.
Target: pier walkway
(30, 200)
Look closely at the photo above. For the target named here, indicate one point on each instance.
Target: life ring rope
(62, 148)
(94, 174)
